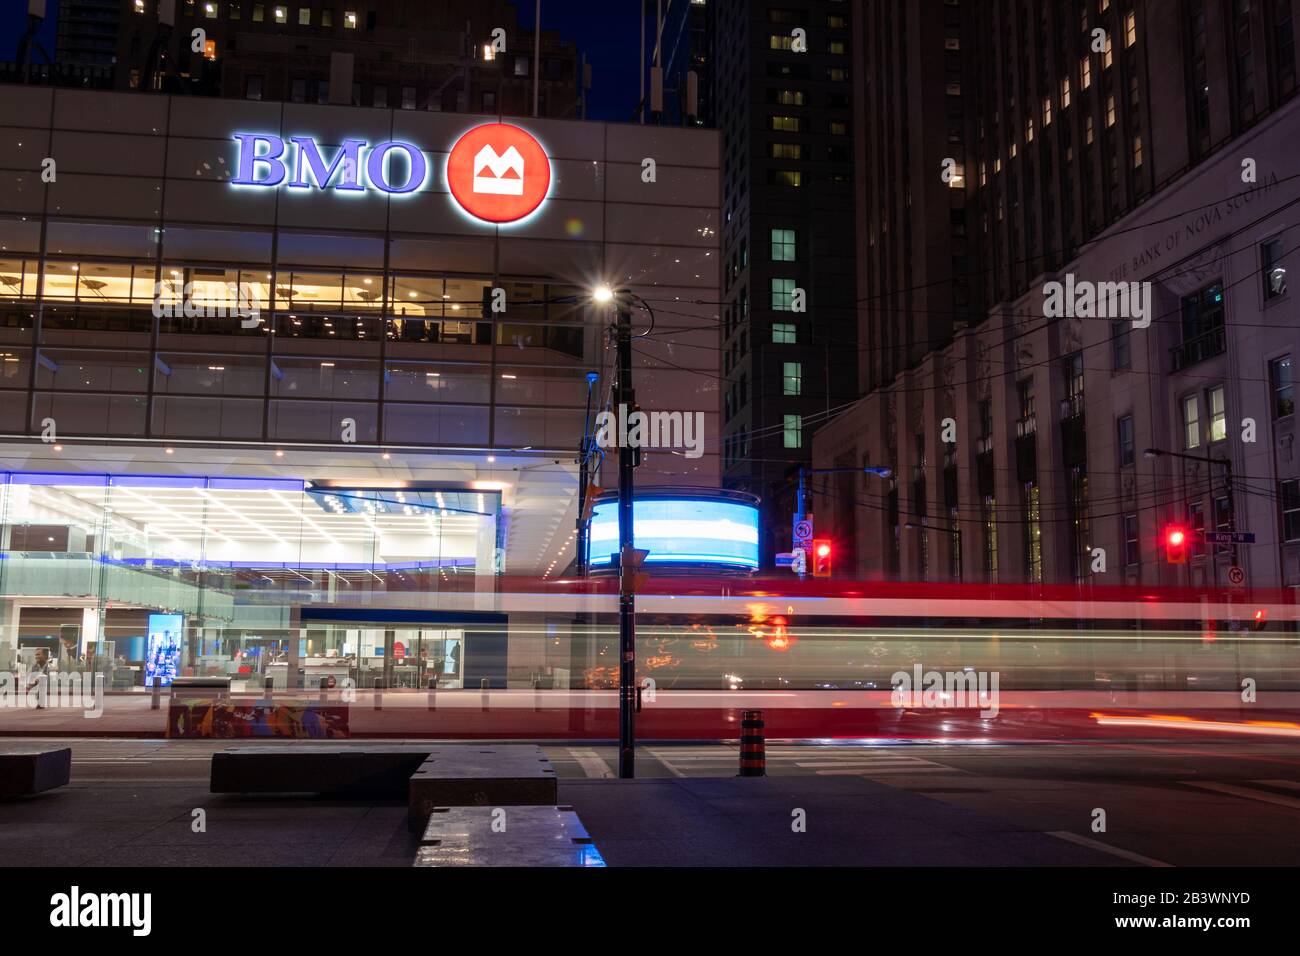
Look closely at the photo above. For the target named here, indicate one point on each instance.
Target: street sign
(785, 559)
(800, 563)
(1230, 537)
(1236, 576)
(803, 529)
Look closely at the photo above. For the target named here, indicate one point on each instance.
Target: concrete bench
(468, 775)
(532, 836)
(378, 769)
(201, 686)
(24, 772)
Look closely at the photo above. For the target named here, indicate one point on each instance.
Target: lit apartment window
(1279, 379)
(1065, 92)
(304, 16)
(1130, 28)
(1270, 254)
(780, 41)
(836, 22)
(1191, 422)
(784, 124)
(783, 333)
(838, 47)
(350, 20)
(1085, 73)
(783, 246)
(786, 151)
(792, 431)
(233, 10)
(787, 177)
(837, 74)
(210, 49)
(327, 17)
(788, 97)
(792, 378)
(281, 14)
(782, 293)
(210, 11)
(259, 12)
(1218, 414)
(837, 128)
(139, 6)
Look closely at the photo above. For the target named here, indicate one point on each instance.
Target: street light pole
(584, 482)
(1227, 479)
(624, 400)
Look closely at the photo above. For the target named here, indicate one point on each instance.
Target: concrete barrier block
(29, 771)
(495, 775)
(506, 836)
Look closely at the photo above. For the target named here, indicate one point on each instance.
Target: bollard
(269, 686)
(537, 695)
(155, 693)
(753, 759)
(483, 686)
(324, 686)
(379, 694)
(433, 693)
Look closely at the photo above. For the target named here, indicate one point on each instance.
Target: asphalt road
(1235, 802)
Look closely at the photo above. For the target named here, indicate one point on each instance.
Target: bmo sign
(497, 173)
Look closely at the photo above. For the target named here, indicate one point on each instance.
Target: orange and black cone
(753, 759)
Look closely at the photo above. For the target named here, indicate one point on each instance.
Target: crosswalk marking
(592, 764)
(886, 771)
(1106, 848)
(1247, 793)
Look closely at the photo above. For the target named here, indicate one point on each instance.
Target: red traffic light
(821, 558)
(1175, 544)
(1260, 620)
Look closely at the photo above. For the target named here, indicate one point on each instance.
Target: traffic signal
(1260, 620)
(821, 554)
(1175, 544)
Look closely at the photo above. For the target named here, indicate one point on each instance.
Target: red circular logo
(498, 172)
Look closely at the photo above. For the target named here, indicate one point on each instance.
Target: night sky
(608, 33)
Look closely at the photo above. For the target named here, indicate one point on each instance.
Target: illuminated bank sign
(496, 172)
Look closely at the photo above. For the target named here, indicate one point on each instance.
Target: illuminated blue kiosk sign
(681, 528)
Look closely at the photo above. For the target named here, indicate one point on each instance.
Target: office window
(783, 248)
(210, 11)
(1274, 273)
(792, 378)
(252, 87)
(1279, 378)
(489, 101)
(259, 12)
(1191, 422)
(408, 97)
(231, 8)
(988, 513)
(1065, 92)
(304, 16)
(786, 177)
(281, 14)
(1130, 28)
(327, 17)
(1107, 54)
(1218, 414)
(792, 431)
(1121, 354)
(838, 47)
(521, 66)
(1196, 527)
(782, 293)
(1110, 111)
(836, 22)
(837, 74)
(322, 91)
(1085, 73)
(1088, 134)
(1132, 550)
(350, 20)
(1290, 504)
(784, 124)
(380, 97)
(783, 333)
(1125, 437)
(298, 90)
(837, 128)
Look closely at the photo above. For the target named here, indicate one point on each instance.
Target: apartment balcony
(1205, 346)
